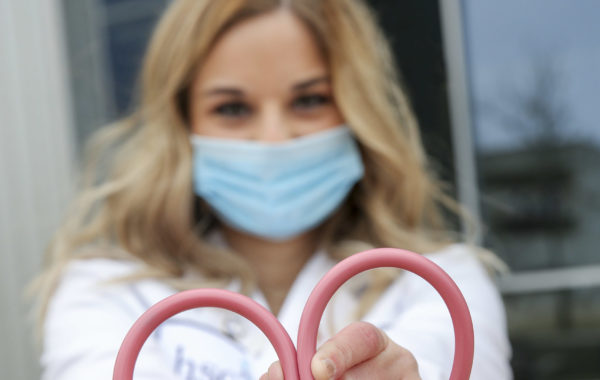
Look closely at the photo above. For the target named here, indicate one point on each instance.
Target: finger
(356, 343)
(275, 372)
(395, 362)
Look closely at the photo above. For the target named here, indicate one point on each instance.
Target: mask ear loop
(388, 257)
(191, 299)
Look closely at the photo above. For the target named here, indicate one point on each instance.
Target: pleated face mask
(276, 191)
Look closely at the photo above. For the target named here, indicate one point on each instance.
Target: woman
(271, 140)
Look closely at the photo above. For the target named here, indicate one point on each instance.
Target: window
(533, 77)
(106, 41)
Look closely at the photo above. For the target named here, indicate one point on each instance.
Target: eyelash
(223, 109)
(304, 102)
(310, 100)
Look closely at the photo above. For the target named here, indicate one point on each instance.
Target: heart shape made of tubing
(296, 364)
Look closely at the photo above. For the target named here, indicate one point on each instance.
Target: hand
(359, 351)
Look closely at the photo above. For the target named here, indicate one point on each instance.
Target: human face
(264, 80)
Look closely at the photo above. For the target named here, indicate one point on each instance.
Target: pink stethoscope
(296, 365)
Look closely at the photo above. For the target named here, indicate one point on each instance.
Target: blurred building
(532, 85)
(542, 205)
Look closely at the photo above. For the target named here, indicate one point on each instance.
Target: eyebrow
(224, 91)
(233, 91)
(311, 82)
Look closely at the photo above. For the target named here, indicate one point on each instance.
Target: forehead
(273, 48)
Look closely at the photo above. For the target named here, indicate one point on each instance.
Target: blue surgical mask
(276, 191)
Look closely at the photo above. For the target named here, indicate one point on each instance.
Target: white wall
(36, 154)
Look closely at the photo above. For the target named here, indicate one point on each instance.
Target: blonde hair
(137, 199)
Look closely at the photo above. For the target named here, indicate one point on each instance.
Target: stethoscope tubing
(296, 364)
(388, 257)
(191, 299)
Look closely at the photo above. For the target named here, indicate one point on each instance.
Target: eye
(232, 109)
(305, 102)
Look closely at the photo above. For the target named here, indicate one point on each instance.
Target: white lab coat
(87, 321)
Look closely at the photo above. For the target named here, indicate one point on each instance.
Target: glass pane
(106, 41)
(414, 30)
(534, 76)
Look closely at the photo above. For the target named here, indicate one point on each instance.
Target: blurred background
(505, 91)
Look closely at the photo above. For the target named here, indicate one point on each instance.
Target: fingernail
(330, 366)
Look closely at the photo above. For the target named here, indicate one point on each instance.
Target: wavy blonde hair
(137, 199)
